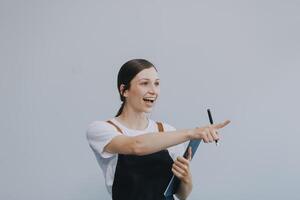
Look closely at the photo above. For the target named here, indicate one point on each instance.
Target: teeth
(151, 100)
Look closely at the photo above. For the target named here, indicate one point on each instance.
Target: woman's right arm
(153, 142)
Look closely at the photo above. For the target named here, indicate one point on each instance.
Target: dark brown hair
(127, 72)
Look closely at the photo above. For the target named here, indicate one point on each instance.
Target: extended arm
(153, 142)
(147, 143)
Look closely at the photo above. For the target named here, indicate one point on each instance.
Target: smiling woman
(138, 84)
(137, 155)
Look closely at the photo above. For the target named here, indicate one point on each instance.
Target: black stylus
(211, 121)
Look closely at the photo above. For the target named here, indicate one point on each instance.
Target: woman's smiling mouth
(149, 101)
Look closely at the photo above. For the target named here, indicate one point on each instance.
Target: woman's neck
(133, 120)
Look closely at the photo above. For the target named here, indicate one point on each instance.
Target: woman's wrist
(190, 134)
(185, 188)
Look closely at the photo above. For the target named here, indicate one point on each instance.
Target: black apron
(142, 177)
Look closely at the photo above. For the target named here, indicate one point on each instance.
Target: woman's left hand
(181, 168)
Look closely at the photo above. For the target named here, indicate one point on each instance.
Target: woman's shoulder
(99, 126)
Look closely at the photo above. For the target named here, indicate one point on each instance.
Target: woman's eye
(147, 83)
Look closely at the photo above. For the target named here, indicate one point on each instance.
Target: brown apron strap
(160, 127)
(115, 126)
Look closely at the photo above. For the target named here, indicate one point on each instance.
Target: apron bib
(142, 177)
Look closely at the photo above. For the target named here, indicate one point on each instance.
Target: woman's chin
(148, 110)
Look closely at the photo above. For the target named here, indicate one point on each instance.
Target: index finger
(221, 125)
(183, 160)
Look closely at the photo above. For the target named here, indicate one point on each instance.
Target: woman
(137, 155)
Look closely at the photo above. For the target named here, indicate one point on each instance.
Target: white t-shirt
(100, 133)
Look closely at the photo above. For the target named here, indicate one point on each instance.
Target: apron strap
(118, 128)
(160, 127)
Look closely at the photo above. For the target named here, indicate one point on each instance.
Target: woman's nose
(153, 89)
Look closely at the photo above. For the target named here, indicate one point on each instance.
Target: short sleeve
(177, 150)
(99, 134)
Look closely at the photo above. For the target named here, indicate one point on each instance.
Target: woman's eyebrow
(148, 79)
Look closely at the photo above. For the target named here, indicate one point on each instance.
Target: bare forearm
(184, 190)
(154, 142)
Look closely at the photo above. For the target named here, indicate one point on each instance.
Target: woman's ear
(123, 90)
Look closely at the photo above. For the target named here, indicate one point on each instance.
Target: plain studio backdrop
(59, 62)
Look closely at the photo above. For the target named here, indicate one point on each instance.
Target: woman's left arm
(181, 169)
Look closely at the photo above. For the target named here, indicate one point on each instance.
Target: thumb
(190, 154)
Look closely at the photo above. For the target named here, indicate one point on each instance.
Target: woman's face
(144, 90)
